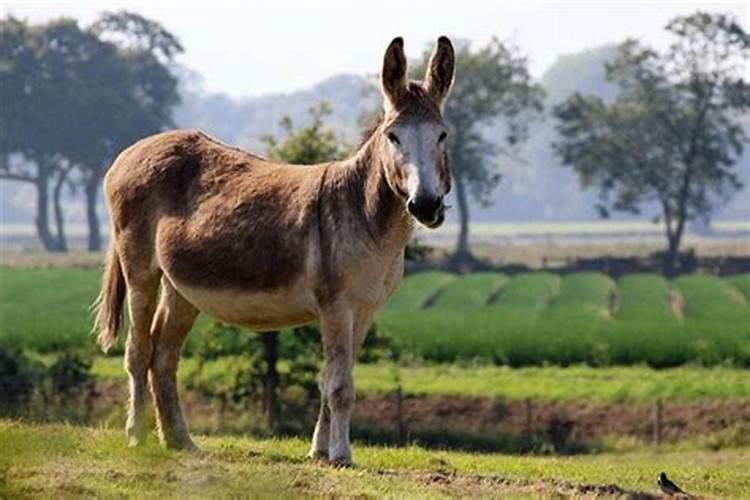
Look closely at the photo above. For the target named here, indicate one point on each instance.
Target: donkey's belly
(260, 311)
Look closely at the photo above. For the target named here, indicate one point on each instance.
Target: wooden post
(271, 382)
(658, 422)
(527, 423)
(400, 424)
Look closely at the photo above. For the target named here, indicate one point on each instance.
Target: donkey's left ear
(440, 70)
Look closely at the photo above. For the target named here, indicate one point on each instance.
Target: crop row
(538, 318)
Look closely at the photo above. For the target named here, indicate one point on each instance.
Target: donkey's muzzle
(428, 210)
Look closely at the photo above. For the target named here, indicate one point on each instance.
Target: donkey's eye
(443, 137)
(392, 137)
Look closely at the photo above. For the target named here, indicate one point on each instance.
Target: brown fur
(259, 244)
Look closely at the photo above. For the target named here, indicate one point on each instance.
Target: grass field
(635, 384)
(521, 320)
(65, 461)
(537, 318)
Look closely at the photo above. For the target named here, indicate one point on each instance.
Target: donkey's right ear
(393, 76)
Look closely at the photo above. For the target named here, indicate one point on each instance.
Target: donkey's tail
(109, 304)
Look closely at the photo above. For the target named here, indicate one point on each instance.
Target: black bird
(668, 487)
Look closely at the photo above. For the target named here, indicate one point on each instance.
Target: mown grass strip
(637, 384)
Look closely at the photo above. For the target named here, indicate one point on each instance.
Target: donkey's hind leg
(174, 319)
(322, 433)
(143, 294)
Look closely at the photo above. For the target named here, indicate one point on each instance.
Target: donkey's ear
(393, 76)
(440, 70)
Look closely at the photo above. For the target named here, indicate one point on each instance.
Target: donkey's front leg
(338, 383)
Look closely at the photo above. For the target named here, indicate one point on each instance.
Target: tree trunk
(42, 213)
(91, 192)
(271, 382)
(672, 255)
(62, 243)
(675, 240)
(462, 246)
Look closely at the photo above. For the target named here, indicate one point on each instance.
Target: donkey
(201, 226)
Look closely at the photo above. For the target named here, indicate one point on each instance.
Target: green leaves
(670, 138)
(307, 145)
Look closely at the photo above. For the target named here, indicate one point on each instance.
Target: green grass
(414, 293)
(642, 294)
(532, 291)
(741, 283)
(470, 291)
(589, 291)
(526, 319)
(538, 318)
(47, 309)
(708, 297)
(66, 461)
(636, 384)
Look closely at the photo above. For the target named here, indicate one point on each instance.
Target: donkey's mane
(371, 127)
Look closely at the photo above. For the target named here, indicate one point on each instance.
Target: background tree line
(72, 98)
(669, 136)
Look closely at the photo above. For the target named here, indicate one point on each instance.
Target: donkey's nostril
(426, 209)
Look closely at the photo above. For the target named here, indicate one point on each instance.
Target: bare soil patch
(580, 421)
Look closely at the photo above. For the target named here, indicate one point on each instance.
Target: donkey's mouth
(427, 210)
(434, 222)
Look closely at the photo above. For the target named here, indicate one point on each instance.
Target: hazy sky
(257, 47)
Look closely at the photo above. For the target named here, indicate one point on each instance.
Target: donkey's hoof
(134, 442)
(182, 445)
(342, 463)
(136, 434)
(317, 456)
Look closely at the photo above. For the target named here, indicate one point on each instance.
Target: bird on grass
(668, 487)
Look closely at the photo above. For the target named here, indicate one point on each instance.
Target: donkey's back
(231, 231)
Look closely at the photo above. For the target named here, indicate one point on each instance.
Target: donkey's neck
(379, 215)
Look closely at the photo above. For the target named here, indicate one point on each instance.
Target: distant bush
(18, 379)
(64, 390)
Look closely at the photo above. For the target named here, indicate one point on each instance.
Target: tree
(304, 146)
(138, 91)
(72, 98)
(307, 145)
(671, 136)
(40, 90)
(492, 83)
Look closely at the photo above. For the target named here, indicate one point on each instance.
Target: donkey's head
(414, 132)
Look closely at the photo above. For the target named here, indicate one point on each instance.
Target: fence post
(527, 423)
(658, 422)
(400, 424)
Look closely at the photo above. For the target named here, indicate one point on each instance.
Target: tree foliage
(671, 137)
(73, 97)
(308, 145)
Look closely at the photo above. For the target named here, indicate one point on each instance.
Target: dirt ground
(582, 421)
(458, 419)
